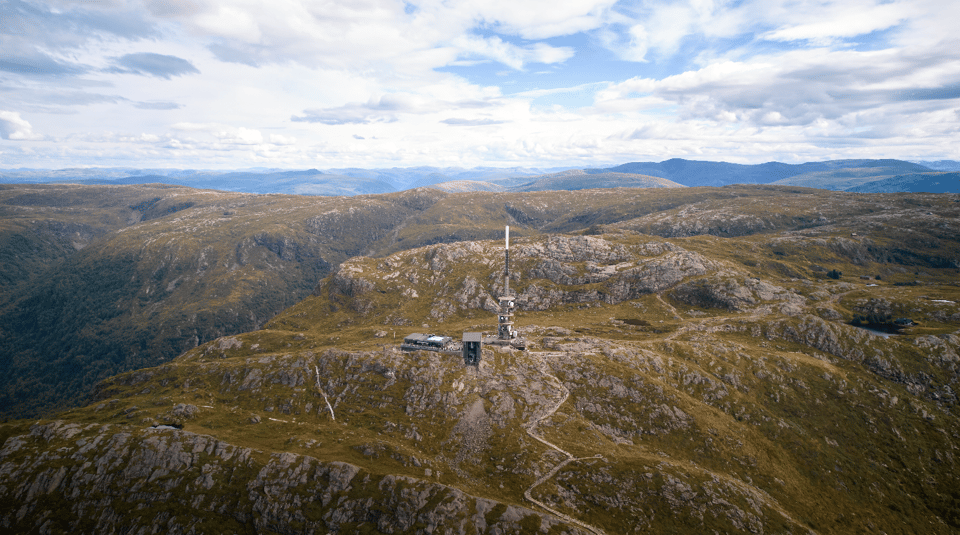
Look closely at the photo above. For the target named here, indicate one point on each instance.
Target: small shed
(472, 348)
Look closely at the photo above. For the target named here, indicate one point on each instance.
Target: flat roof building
(472, 348)
(415, 341)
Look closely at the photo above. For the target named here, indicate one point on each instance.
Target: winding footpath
(531, 428)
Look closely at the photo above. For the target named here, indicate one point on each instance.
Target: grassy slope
(105, 279)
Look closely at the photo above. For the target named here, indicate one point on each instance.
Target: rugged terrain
(102, 279)
(691, 368)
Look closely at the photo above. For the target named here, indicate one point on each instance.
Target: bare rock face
(576, 249)
(734, 294)
(350, 282)
(694, 221)
(727, 294)
(180, 413)
(631, 277)
(103, 479)
(556, 271)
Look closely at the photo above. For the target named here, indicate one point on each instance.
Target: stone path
(531, 429)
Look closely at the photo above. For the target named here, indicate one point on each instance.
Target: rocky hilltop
(702, 367)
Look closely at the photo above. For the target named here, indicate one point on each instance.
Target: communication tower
(506, 334)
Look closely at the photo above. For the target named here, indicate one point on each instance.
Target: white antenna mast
(507, 271)
(505, 330)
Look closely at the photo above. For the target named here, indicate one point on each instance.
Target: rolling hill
(578, 179)
(464, 186)
(948, 182)
(827, 175)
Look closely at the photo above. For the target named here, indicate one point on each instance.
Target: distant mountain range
(578, 179)
(699, 173)
(942, 165)
(333, 182)
(840, 175)
(926, 182)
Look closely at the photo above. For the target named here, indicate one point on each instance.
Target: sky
(217, 84)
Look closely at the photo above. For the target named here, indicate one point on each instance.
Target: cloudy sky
(383, 83)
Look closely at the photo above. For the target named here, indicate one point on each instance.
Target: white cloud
(539, 19)
(384, 108)
(636, 49)
(194, 127)
(661, 26)
(241, 136)
(797, 87)
(15, 128)
(456, 121)
(279, 139)
(509, 54)
(247, 80)
(357, 35)
(823, 23)
(391, 107)
(231, 22)
(544, 53)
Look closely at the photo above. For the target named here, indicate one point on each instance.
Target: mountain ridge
(833, 174)
(937, 182)
(703, 173)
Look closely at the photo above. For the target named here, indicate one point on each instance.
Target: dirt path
(676, 315)
(531, 430)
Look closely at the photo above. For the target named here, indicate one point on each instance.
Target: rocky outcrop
(881, 355)
(694, 221)
(729, 293)
(607, 272)
(109, 479)
(545, 273)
